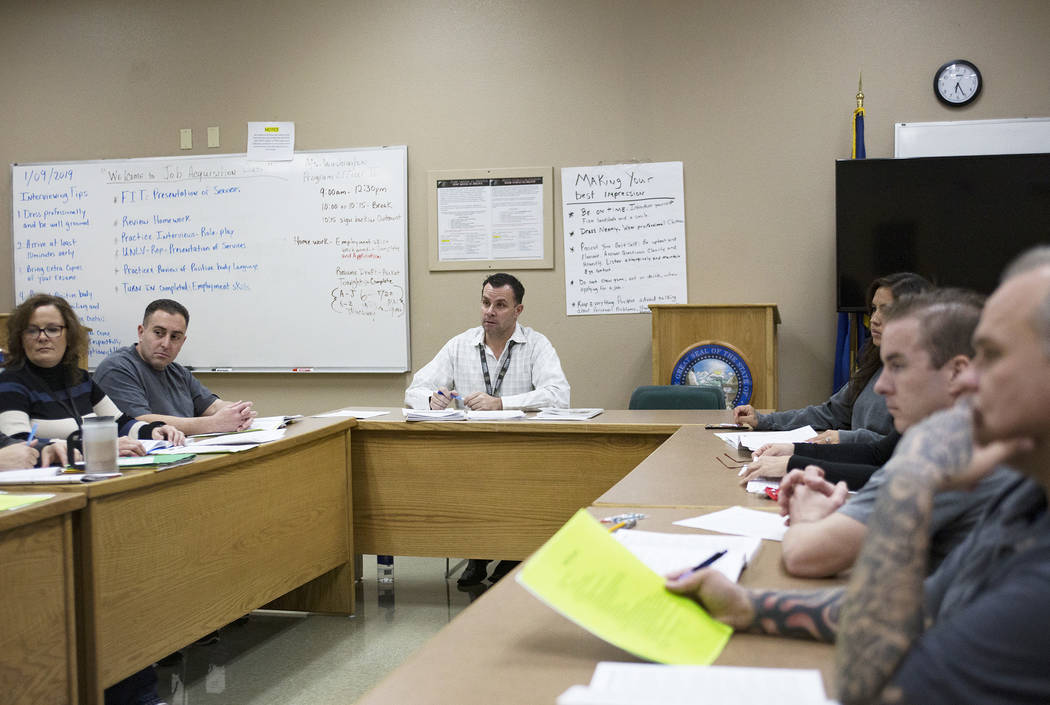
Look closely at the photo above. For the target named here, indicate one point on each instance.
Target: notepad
(14, 501)
(666, 553)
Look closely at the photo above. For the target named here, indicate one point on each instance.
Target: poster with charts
(624, 237)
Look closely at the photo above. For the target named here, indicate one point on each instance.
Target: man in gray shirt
(145, 381)
(926, 347)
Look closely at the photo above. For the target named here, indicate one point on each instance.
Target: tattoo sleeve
(882, 613)
(806, 615)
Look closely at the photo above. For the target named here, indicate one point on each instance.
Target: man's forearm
(812, 614)
(189, 425)
(882, 611)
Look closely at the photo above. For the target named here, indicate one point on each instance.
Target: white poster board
(624, 237)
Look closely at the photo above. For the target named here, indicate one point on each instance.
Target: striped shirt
(36, 395)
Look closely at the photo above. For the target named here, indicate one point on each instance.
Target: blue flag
(851, 331)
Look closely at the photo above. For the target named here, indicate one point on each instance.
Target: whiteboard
(284, 266)
(968, 137)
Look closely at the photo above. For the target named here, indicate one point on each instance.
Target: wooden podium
(749, 329)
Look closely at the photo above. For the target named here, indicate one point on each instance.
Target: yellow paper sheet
(586, 575)
(15, 500)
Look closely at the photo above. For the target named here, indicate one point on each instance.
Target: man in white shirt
(499, 365)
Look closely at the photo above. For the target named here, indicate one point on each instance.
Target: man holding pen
(498, 365)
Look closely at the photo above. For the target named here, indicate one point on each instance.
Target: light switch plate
(186, 138)
(213, 136)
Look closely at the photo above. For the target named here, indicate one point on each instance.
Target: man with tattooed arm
(977, 630)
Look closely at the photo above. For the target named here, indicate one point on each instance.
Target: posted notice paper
(590, 578)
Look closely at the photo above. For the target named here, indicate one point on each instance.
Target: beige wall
(754, 98)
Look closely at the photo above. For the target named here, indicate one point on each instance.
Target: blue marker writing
(32, 434)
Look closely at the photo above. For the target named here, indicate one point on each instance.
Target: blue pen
(32, 434)
(710, 559)
(451, 398)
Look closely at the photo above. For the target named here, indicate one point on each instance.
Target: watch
(957, 83)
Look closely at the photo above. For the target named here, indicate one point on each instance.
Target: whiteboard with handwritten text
(284, 266)
(624, 237)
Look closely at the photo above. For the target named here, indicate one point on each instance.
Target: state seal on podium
(716, 364)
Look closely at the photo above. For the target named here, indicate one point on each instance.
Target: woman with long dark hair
(855, 413)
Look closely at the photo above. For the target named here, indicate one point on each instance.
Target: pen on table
(708, 561)
(614, 527)
(32, 434)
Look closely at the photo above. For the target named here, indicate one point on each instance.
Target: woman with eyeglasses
(42, 384)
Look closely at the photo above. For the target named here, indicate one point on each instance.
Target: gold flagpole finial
(860, 90)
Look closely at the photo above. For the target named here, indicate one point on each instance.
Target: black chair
(677, 396)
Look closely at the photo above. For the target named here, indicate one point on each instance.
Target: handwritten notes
(319, 240)
(624, 236)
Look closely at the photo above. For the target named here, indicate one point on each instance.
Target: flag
(851, 331)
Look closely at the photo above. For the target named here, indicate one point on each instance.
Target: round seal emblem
(715, 364)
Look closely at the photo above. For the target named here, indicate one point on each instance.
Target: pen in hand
(708, 561)
(32, 434)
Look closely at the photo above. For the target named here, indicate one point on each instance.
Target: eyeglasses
(48, 331)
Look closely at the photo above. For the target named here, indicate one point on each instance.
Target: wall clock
(957, 83)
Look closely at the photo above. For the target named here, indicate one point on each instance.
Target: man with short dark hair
(145, 382)
(499, 365)
(976, 630)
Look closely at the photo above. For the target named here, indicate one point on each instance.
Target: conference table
(165, 557)
(37, 610)
(510, 648)
(492, 489)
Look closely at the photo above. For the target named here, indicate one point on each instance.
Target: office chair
(677, 396)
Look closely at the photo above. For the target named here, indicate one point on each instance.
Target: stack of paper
(653, 684)
(742, 522)
(356, 413)
(50, 476)
(753, 440)
(552, 414)
(587, 576)
(434, 414)
(667, 554)
(495, 415)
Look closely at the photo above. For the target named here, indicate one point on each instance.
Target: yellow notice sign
(589, 577)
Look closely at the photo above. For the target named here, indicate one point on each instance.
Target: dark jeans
(137, 689)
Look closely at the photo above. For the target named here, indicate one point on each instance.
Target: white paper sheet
(670, 553)
(657, 684)
(742, 522)
(495, 415)
(753, 440)
(234, 439)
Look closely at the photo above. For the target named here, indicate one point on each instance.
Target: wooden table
(686, 471)
(499, 490)
(510, 648)
(167, 557)
(38, 634)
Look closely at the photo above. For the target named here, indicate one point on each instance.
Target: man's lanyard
(489, 389)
